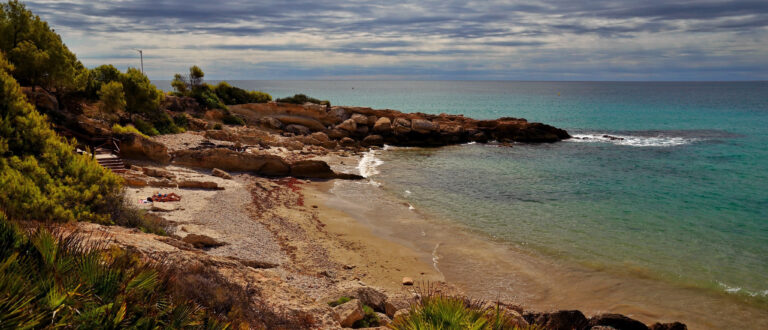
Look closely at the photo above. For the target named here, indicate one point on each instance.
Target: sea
(664, 186)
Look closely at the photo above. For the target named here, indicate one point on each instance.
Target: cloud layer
(497, 40)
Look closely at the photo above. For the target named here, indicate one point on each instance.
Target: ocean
(663, 181)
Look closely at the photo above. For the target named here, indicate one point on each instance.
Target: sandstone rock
(347, 142)
(669, 326)
(401, 126)
(294, 145)
(135, 181)
(164, 207)
(197, 124)
(320, 136)
(372, 120)
(312, 169)
(271, 122)
(382, 125)
(384, 320)
(135, 146)
(373, 140)
(193, 184)
(560, 320)
(297, 129)
(348, 313)
(202, 241)
(617, 321)
(338, 114)
(158, 173)
(423, 126)
(330, 145)
(222, 135)
(337, 134)
(229, 160)
(348, 125)
(407, 281)
(361, 130)
(359, 119)
(400, 313)
(396, 303)
(220, 173)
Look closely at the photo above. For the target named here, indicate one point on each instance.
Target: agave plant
(49, 279)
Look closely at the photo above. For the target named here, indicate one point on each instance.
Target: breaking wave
(635, 140)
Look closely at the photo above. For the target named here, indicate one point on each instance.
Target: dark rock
(560, 320)
(347, 142)
(298, 129)
(312, 169)
(617, 321)
(373, 140)
(271, 122)
(669, 326)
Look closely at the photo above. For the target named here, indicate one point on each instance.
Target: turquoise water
(683, 197)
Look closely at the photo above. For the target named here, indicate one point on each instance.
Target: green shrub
(234, 95)
(165, 124)
(141, 96)
(218, 126)
(435, 311)
(55, 280)
(118, 129)
(339, 301)
(230, 119)
(41, 176)
(145, 127)
(301, 99)
(369, 320)
(181, 121)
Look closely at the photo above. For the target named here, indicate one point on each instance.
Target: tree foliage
(41, 177)
(301, 99)
(213, 97)
(234, 95)
(39, 56)
(112, 97)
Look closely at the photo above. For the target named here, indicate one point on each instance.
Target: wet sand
(492, 270)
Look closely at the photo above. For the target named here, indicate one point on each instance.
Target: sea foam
(633, 140)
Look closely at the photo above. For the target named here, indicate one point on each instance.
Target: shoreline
(470, 261)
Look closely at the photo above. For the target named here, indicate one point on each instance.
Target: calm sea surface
(681, 197)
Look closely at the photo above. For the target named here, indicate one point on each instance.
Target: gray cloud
(454, 38)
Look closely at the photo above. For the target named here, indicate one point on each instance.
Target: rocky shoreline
(252, 233)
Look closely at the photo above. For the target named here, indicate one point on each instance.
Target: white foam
(407, 192)
(436, 258)
(368, 165)
(736, 289)
(633, 140)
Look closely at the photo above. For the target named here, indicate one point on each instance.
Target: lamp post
(141, 54)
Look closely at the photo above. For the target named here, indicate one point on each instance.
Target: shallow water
(662, 192)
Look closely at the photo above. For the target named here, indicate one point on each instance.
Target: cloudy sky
(424, 40)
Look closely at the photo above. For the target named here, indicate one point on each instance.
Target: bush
(112, 97)
(218, 126)
(301, 99)
(436, 311)
(141, 95)
(41, 176)
(181, 121)
(369, 320)
(118, 129)
(339, 301)
(230, 119)
(234, 95)
(51, 280)
(165, 124)
(145, 127)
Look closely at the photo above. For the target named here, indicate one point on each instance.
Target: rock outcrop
(229, 160)
(135, 146)
(394, 127)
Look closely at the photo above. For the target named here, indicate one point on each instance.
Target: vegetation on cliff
(301, 99)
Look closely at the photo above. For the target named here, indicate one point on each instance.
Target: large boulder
(401, 126)
(560, 320)
(320, 136)
(423, 126)
(348, 313)
(297, 129)
(348, 125)
(337, 134)
(359, 119)
(373, 140)
(617, 321)
(135, 146)
(271, 122)
(230, 160)
(382, 125)
(316, 169)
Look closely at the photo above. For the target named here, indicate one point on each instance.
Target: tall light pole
(141, 54)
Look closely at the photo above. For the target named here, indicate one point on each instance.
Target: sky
(421, 40)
